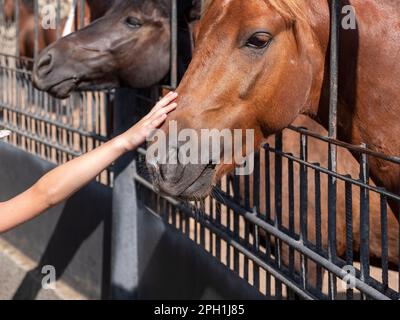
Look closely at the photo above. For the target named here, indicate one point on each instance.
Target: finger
(165, 110)
(159, 121)
(171, 96)
(166, 100)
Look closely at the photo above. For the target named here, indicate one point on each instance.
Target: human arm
(62, 182)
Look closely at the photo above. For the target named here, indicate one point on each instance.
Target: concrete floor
(14, 268)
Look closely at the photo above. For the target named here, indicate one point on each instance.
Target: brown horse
(259, 64)
(129, 46)
(263, 62)
(26, 38)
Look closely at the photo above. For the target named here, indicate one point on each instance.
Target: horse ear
(194, 10)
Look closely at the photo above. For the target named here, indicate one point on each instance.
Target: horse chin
(198, 189)
(63, 89)
(93, 86)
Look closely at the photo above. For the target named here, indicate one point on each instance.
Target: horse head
(128, 46)
(256, 65)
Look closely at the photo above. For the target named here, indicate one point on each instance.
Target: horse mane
(290, 9)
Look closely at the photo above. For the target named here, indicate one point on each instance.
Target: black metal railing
(276, 229)
(52, 129)
(285, 261)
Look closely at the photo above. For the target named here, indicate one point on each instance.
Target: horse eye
(259, 40)
(133, 22)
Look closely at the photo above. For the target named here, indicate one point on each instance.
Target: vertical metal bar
(267, 186)
(291, 213)
(236, 222)
(36, 93)
(398, 253)
(318, 223)
(218, 223)
(228, 224)
(173, 217)
(384, 243)
(397, 215)
(256, 183)
(246, 224)
(267, 181)
(334, 67)
(17, 64)
(126, 207)
(278, 208)
(17, 31)
(82, 14)
(202, 228)
(303, 205)
(333, 104)
(349, 231)
(36, 27)
(196, 225)
(2, 19)
(210, 233)
(187, 224)
(174, 44)
(58, 19)
(364, 218)
(256, 210)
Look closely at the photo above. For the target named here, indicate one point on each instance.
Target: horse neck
(368, 111)
(311, 31)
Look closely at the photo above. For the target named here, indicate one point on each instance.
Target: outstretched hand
(138, 134)
(62, 182)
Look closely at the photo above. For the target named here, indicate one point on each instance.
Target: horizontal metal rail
(297, 245)
(57, 124)
(45, 142)
(211, 226)
(345, 178)
(348, 146)
(16, 57)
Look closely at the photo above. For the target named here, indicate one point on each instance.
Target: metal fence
(262, 228)
(52, 129)
(277, 229)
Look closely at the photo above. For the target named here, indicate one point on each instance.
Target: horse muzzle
(183, 181)
(47, 76)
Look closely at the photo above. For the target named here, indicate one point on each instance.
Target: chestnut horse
(129, 46)
(26, 38)
(317, 153)
(264, 62)
(260, 64)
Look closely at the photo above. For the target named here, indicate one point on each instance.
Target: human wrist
(122, 144)
(129, 141)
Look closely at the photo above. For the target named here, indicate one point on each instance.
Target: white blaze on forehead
(68, 28)
(4, 133)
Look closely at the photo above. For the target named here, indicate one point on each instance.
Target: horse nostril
(44, 64)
